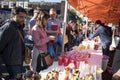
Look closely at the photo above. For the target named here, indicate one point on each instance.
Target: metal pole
(23, 3)
(86, 28)
(64, 23)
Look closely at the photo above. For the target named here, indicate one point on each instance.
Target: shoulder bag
(28, 53)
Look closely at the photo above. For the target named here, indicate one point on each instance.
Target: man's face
(36, 13)
(53, 14)
(20, 17)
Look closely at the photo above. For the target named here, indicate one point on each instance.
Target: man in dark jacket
(11, 45)
(105, 35)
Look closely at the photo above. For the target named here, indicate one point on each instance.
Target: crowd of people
(44, 35)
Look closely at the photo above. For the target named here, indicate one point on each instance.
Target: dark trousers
(112, 53)
(14, 70)
(106, 51)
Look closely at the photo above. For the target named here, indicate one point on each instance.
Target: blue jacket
(11, 45)
(103, 33)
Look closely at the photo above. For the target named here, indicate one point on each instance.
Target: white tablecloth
(55, 65)
(96, 59)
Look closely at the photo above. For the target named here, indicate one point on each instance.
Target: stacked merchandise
(88, 45)
(84, 72)
(73, 57)
(30, 75)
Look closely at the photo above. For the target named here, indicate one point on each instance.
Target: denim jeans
(13, 70)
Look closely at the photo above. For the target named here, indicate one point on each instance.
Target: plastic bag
(51, 50)
(59, 41)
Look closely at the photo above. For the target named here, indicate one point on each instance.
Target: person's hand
(116, 76)
(51, 39)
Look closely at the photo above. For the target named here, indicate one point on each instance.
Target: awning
(108, 11)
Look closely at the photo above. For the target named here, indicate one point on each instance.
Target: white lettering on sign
(25, 5)
(4, 3)
(11, 4)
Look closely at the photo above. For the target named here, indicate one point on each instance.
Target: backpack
(109, 31)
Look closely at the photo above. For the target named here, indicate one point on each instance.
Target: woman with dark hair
(105, 36)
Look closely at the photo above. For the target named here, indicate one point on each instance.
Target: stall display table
(95, 59)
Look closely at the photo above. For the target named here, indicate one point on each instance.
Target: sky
(45, 0)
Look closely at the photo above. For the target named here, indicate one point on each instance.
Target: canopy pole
(64, 23)
(86, 28)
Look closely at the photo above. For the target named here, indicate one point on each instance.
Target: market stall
(85, 59)
(84, 62)
(95, 61)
